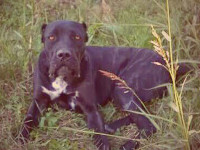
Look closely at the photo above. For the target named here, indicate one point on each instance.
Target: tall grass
(126, 23)
(177, 96)
(172, 67)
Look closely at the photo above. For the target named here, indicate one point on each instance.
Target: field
(110, 23)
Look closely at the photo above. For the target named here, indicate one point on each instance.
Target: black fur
(83, 63)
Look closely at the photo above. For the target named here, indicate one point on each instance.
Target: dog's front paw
(130, 145)
(101, 142)
(26, 128)
(109, 129)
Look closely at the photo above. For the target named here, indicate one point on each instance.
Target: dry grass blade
(157, 44)
(173, 106)
(112, 76)
(105, 7)
(99, 133)
(194, 132)
(155, 34)
(106, 11)
(189, 121)
(167, 37)
(159, 64)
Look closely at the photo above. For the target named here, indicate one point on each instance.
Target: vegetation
(116, 22)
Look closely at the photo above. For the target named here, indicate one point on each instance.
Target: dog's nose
(63, 54)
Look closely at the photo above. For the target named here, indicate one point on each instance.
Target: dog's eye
(52, 37)
(77, 37)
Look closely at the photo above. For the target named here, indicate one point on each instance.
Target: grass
(126, 23)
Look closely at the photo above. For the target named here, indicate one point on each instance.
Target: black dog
(68, 73)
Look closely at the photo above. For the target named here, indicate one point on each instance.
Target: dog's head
(64, 42)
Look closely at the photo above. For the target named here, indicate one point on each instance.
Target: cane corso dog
(68, 73)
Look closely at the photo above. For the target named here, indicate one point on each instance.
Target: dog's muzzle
(60, 69)
(63, 55)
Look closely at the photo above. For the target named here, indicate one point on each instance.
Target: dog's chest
(60, 87)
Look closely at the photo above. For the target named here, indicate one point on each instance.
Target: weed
(127, 23)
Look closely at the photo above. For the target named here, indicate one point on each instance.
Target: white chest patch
(74, 100)
(59, 86)
(73, 105)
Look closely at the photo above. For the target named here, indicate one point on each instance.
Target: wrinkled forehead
(64, 27)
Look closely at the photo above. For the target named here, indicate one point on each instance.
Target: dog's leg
(95, 122)
(86, 100)
(129, 102)
(113, 126)
(32, 118)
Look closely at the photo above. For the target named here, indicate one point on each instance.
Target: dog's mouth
(65, 72)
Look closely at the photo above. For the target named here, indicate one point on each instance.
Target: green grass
(127, 24)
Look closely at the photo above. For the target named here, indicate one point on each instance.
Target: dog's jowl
(68, 73)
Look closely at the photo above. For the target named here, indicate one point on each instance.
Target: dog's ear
(42, 30)
(85, 28)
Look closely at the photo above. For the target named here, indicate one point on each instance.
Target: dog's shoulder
(43, 57)
(41, 71)
(43, 61)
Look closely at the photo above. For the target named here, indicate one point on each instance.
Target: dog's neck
(59, 86)
(84, 66)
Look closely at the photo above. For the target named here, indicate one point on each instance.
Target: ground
(111, 23)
